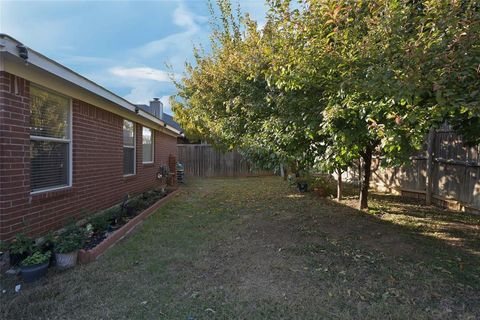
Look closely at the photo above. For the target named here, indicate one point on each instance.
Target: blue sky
(122, 45)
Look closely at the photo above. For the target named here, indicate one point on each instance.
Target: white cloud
(177, 43)
(143, 83)
(184, 18)
(141, 73)
(157, 47)
(175, 49)
(141, 94)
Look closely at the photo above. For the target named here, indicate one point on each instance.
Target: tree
(376, 66)
(333, 48)
(329, 81)
(228, 99)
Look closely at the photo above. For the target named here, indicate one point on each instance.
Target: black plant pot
(16, 258)
(302, 186)
(35, 272)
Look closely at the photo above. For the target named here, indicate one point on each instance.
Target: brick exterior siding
(98, 180)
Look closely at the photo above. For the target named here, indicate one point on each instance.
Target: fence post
(429, 176)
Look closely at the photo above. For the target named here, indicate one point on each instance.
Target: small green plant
(21, 244)
(48, 242)
(117, 213)
(133, 204)
(112, 212)
(292, 179)
(36, 258)
(100, 222)
(137, 204)
(322, 184)
(318, 181)
(148, 194)
(3, 246)
(72, 239)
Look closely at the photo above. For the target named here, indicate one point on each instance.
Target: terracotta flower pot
(66, 260)
(35, 272)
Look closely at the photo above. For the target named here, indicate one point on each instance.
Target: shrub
(133, 205)
(3, 246)
(148, 194)
(116, 213)
(70, 240)
(36, 258)
(100, 222)
(21, 244)
(48, 242)
(292, 179)
(321, 183)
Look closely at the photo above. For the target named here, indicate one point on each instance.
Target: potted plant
(35, 266)
(67, 246)
(20, 248)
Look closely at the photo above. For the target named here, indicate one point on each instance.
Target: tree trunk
(365, 181)
(339, 185)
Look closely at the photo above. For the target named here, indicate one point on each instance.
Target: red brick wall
(98, 180)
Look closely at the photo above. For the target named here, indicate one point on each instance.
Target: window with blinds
(147, 145)
(128, 147)
(49, 140)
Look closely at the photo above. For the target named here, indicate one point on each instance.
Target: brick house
(69, 147)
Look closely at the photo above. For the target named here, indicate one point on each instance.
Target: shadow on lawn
(401, 227)
(458, 229)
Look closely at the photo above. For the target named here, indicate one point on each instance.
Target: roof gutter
(15, 48)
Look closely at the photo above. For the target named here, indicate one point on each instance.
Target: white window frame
(134, 147)
(152, 132)
(69, 141)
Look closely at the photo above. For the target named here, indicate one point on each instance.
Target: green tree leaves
(333, 81)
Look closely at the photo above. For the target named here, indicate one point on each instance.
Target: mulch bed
(108, 221)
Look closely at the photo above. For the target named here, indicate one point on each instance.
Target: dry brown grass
(254, 249)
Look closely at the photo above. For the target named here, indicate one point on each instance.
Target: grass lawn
(254, 249)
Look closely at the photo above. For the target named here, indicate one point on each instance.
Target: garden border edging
(87, 256)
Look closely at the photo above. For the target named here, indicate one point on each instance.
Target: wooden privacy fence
(202, 160)
(447, 170)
